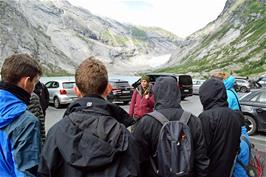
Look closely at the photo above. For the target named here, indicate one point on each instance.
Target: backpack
(174, 148)
(255, 164)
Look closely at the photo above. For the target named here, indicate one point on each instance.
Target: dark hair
(19, 65)
(91, 77)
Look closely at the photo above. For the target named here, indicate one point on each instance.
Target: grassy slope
(253, 35)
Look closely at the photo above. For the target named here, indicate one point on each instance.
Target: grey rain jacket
(167, 101)
(221, 127)
(89, 142)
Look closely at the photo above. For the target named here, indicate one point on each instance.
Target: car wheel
(250, 124)
(57, 103)
(126, 102)
(243, 89)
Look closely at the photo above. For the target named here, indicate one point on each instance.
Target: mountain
(234, 42)
(61, 36)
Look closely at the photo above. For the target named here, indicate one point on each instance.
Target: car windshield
(68, 85)
(121, 84)
(185, 80)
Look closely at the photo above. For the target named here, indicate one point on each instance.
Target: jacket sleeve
(50, 156)
(151, 101)
(201, 161)
(143, 148)
(36, 109)
(46, 96)
(25, 140)
(146, 136)
(132, 103)
(122, 116)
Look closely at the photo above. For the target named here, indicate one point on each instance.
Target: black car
(121, 91)
(184, 80)
(253, 106)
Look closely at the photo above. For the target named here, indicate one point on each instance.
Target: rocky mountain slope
(234, 42)
(61, 36)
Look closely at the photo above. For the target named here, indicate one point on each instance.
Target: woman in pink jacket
(142, 101)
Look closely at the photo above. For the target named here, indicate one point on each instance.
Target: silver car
(196, 85)
(61, 92)
(242, 85)
(262, 81)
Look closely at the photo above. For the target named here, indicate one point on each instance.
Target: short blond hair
(91, 77)
(220, 75)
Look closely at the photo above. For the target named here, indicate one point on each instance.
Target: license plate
(126, 91)
(186, 90)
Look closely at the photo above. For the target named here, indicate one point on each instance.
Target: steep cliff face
(17, 34)
(61, 35)
(235, 41)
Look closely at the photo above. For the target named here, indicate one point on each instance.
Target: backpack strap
(236, 99)
(158, 116)
(185, 117)
(162, 119)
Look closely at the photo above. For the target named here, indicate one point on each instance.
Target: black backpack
(174, 149)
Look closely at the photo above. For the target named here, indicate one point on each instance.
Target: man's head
(91, 77)
(21, 70)
(144, 81)
(213, 93)
(219, 75)
(166, 93)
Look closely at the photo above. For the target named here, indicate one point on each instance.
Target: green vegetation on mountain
(238, 45)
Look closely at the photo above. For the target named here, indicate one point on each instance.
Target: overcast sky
(181, 17)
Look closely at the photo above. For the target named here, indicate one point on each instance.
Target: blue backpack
(254, 168)
(174, 149)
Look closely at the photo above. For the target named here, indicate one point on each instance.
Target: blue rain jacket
(232, 96)
(243, 155)
(19, 138)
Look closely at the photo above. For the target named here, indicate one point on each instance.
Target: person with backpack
(221, 127)
(89, 141)
(233, 103)
(152, 143)
(243, 156)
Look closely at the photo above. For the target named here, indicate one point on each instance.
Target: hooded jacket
(19, 137)
(139, 105)
(221, 127)
(232, 97)
(233, 103)
(167, 101)
(88, 141)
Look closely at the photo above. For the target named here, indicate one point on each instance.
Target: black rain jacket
(89, 142)
(221, 128)
(167, 101)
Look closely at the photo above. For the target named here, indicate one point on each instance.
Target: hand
(146, 96)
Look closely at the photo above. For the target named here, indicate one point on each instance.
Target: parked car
(196, 85)
(184, 80)
(121, 91)
(61, 92)
(253, 106)
(262, 81)
(242, 85)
